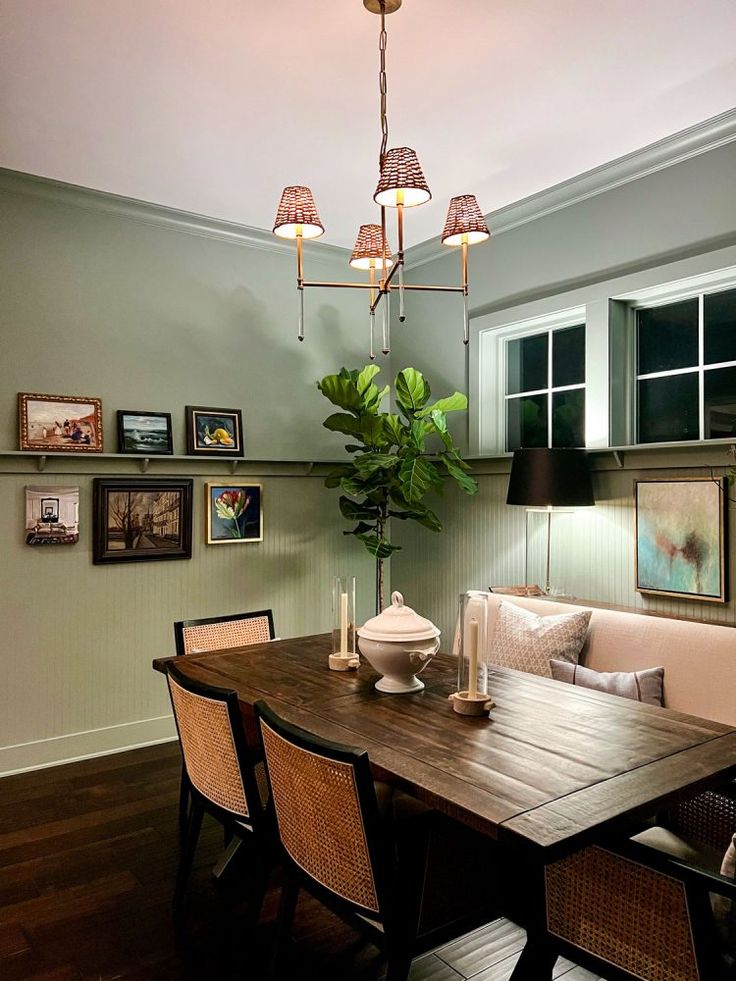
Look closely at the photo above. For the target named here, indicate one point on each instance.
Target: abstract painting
(67, 423)
(680, 538)
(214, 432)
(52, 515)
(147, 433)
(142, 520)
(234, 513)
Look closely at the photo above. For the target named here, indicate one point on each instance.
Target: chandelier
(401, 185)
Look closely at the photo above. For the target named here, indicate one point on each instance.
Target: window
(686, 369)
(545, 388)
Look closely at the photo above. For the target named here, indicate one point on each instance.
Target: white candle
(473, 659)
(344, 623)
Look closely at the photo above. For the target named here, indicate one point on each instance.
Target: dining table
(549, 770)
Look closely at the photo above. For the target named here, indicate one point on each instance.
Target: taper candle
(473, 658)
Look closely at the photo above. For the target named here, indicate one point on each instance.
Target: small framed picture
(52, 515)
(66, 423)
(141, 520)
(214, 432)
(145, 433)
(234, 513)
(681, 538)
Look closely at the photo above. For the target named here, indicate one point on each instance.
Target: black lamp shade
(557, 478)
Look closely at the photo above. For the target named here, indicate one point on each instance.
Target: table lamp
(545, 479)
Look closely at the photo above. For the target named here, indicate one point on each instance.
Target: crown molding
(147, 213)
(688, 143)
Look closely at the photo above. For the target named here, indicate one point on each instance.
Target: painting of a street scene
(60, 422)
(137, 520)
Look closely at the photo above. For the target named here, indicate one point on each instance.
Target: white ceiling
(211, 106)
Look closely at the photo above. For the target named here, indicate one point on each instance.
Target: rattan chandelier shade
(368, 249)
(297, 214)
(402, 180)
(465, 222)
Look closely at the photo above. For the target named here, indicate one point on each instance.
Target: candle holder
(471, 697)
(344, 656)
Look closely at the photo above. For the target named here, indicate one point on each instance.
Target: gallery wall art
(141, 520)
(214, 432)
(234, 513)
(52, 515)
(145, 433)
(681, 538)
(60, 423)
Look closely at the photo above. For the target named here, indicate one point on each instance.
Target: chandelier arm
(300, 285)
(382, 85)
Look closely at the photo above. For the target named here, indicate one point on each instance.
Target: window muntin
(686, 369)
(545, 388)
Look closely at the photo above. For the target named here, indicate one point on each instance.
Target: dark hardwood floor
(87, 859)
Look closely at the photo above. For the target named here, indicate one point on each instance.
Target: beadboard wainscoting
(78, 639)
(592, 550)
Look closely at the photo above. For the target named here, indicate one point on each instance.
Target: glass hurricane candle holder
(471, 697)
(344, 654)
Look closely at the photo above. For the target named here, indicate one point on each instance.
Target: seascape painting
(60, 423)
(144, 432)
(234, 513)
(680, 538)
(52, 515)
(138, 520)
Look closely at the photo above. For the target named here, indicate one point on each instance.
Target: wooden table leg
(539, 955)
(537, 960)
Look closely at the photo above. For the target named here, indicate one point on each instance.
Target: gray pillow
(642, 686)
(527, 642)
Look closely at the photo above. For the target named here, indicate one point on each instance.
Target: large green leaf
(438, 420)
(452, 403)
(468, 483)
(394, 429)
(373, 430)
(373, 397)
(365, 377)
(412, 390)
(342, 422)
(334, 477)
(353, 485)
(354, 511)
(360, 529)
(341, 391)
(418, 434)
(369, 463)
(379, 547)
(424, 516)
(416, 476)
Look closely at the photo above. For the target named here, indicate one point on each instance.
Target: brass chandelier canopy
(401, 184)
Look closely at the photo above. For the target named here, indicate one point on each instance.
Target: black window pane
(526, 423)
(527, 364)
(568, 418)
(720, 327)
(720, 403)
(568, 356)
(668, 337)
(668, 408)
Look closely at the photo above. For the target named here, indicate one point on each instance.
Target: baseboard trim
(74, 746)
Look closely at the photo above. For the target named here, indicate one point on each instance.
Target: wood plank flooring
(87, 859)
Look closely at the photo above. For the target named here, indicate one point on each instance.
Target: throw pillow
(722, 906)
(642, 686)
(527, 642)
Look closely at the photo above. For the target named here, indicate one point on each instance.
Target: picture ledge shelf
(143, 463)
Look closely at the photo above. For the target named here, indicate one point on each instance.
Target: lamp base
(375, 6)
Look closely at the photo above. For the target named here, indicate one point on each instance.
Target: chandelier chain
(382, 43)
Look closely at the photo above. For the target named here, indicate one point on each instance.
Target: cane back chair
(636, 910)
(340, 845)
(222, 776)
(218, 634)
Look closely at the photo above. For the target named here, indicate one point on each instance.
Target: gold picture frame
(60, 423)
(233, 513)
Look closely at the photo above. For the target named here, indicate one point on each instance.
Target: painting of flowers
(680, 538)
(234, 513)
(214, 432)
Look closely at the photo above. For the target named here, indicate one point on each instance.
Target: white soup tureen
(399, 644)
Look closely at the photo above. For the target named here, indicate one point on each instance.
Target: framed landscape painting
(214, 432)
(141, 520)
(681, 538)
(234, 513)
(67, 423)
(146, 433)
(52, 515)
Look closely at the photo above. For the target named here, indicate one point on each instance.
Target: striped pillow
(642, 686)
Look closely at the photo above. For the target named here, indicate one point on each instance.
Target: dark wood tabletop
(552, 767)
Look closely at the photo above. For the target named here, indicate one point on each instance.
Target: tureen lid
(397, 623)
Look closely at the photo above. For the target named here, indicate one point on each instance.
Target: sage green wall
(679, 221)
(145, 315)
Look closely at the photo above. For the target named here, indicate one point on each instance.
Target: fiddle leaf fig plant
(397, 459)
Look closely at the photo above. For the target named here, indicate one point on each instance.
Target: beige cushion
(642, 686)
(527, 642)
(722, 906)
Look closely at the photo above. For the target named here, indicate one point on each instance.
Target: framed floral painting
(234, 513)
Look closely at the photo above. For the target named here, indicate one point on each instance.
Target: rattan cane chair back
(222, 633)
(326, 810)
(624, 913)
(213, 744)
